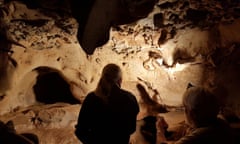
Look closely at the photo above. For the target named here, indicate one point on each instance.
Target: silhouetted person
(201, 110)
(108, 115)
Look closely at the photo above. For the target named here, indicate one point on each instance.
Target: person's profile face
(119, 82)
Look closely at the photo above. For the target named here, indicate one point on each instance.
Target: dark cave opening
(52, 88)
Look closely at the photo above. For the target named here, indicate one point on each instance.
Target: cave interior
(52, 53)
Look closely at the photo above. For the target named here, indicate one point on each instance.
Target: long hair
(111, 74)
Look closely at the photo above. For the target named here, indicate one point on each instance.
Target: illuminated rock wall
(165, 51)
(174, 46)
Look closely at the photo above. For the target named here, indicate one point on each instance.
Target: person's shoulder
(92, 99)
(196, 137)
(130, 96)
(127, 93)
(90, 96)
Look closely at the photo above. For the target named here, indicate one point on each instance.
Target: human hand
(161, 126)
(142, 91)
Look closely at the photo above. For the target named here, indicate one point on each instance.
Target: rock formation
(177, 43)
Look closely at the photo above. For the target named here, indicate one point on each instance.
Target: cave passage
(52, 88)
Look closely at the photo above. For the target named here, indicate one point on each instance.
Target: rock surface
(180, 42)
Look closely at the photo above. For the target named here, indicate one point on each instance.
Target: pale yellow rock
(49, 46)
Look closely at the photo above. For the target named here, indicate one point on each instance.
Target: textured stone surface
(180, 42)
(51, 123)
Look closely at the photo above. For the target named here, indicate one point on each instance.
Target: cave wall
(175, 45)
(178, 43)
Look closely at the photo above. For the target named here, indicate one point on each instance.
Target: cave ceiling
(96, 17)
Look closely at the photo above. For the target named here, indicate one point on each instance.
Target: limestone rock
(164, 52)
